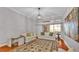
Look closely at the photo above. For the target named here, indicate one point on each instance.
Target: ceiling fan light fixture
(39, 17)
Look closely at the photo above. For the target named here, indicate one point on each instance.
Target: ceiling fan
(39, 16)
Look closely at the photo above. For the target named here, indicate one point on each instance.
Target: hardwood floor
(6, 48)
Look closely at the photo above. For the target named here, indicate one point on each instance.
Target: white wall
(31, 25)
(13, 24)
(39, 28)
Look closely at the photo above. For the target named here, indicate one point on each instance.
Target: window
(55, 28)
(51, 28)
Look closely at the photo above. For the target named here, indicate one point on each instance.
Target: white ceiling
(52, 14)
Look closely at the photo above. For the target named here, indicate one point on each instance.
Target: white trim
(3, 44)
(15, 10)
(68, 11)
(19, 12)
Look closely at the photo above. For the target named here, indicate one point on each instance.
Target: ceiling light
(38, 16)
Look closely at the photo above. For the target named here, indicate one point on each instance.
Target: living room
(24, 25)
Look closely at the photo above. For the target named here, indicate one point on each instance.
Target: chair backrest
(29, 34)
(62, 45)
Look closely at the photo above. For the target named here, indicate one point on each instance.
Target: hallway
(20, 26)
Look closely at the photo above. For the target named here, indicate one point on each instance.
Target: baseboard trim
(3, 44)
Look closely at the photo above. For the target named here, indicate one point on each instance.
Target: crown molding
(67, 12)
(15, 10)
(19, 12)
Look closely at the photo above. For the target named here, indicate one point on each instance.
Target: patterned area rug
(39, 45)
